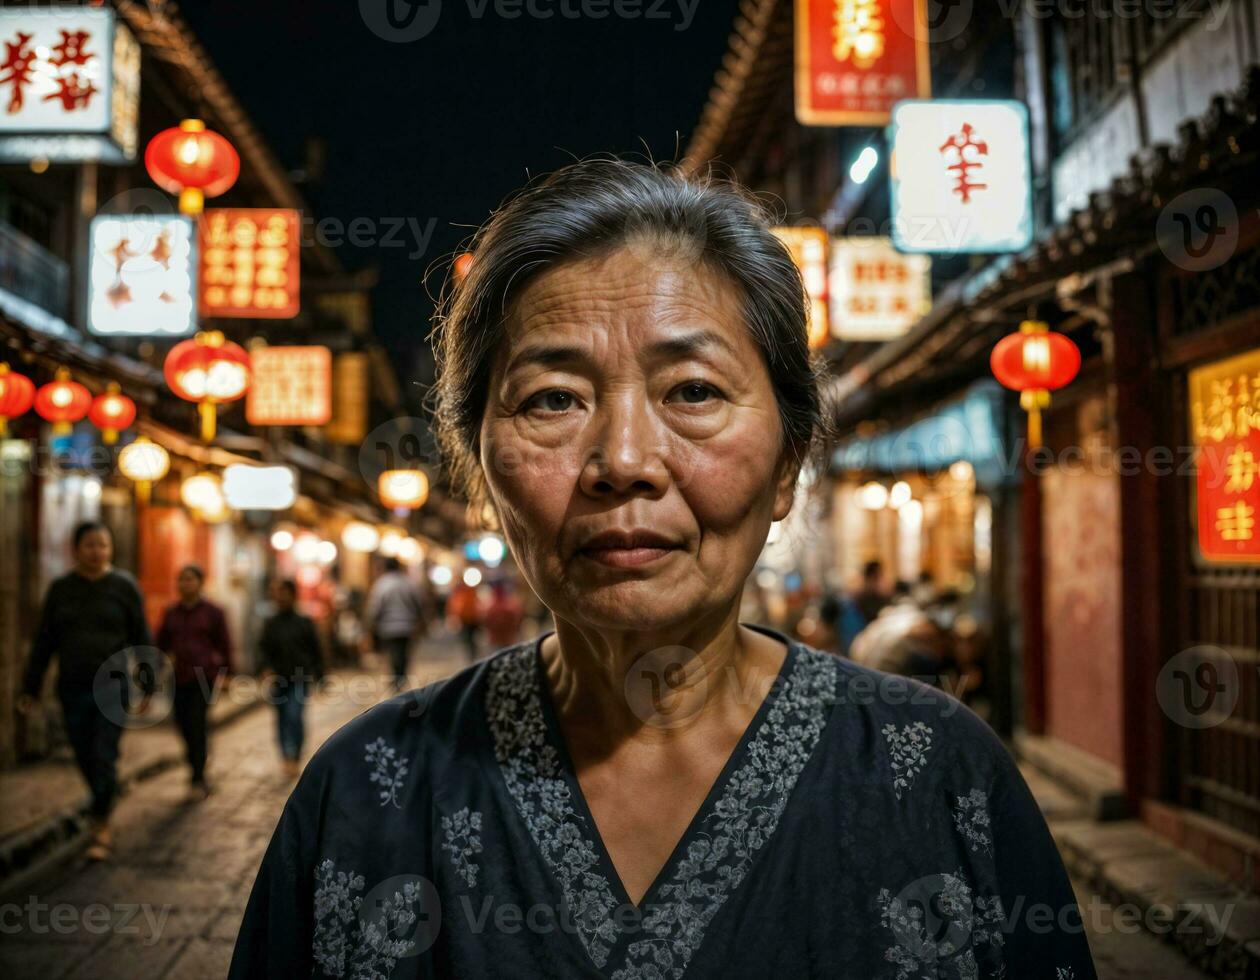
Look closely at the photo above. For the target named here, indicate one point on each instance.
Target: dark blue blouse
(865, 826)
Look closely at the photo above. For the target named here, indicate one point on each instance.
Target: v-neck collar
(737, 818)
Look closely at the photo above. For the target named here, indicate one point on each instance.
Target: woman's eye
(555, 400)
(693, 393)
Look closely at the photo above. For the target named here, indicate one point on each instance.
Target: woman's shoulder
(907, 713)
(429, 722)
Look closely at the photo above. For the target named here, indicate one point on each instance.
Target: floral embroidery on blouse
(907, 750)
(463, 842)
(739, 825)
(719, 857)
(1064, 973)
(382, 757)
(531, 769)
(343, 943)
(962, 928)
(971, 817)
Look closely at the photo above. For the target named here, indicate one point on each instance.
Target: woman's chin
(639, 606)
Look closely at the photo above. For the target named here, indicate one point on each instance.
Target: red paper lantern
(208, 369)
(1035, 362)
(463, 264)
(111, 412)
(17, 394)
(62, 402)
(193, 162)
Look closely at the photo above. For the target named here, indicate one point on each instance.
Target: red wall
(1081, 562)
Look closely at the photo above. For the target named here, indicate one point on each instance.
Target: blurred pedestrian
(463, 609)
(292, 661)
(194, 634)
(870, 596)
(395, 612)
(850, 613)
(504, 615)
(92, 617)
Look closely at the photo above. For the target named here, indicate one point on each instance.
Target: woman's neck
(624, 684)
(92, 574)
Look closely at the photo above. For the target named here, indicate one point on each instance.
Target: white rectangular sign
(69, 76)
(876, 292)
(250, 487)
(959, 176)
(143, 274)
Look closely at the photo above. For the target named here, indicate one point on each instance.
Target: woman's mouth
(627, 549)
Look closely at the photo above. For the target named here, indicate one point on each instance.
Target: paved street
(169, 904)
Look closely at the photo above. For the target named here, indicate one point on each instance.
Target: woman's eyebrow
(688, 344)
(547, 355)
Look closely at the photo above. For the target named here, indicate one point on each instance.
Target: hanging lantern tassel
(1032, 401)
(209, 419)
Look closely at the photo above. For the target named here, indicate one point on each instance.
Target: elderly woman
(655, 789)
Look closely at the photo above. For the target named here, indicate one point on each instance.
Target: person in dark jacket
(291, 660)
(194, 634)
(93, 623)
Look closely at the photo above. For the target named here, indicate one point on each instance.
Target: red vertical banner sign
(1225, 420)
(856, 58)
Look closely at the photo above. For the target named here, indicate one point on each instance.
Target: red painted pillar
(1032, 580)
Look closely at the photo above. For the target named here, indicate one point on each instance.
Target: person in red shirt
(194, 634)
(504, 615)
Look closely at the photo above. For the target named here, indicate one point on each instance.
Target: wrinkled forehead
(626, 296)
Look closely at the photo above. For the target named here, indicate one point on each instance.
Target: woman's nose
(626, 455)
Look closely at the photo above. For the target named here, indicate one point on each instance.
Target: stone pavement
(46, 803)
(1123, 949)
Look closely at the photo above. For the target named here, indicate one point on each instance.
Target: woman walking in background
(291, 659)
(395, 611)
(92, 617)
(194, 634)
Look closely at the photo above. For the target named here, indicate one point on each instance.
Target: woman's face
(632, 443)
(94, 552)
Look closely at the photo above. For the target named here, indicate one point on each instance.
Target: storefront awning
(968, 429)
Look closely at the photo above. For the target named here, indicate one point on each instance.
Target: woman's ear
(785, 487)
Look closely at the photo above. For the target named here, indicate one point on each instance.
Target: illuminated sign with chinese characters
(290, 386)
(1225, 421)
(856, 58)
(69, 85)
(808, 248)
(249, 262)
(875, 292)
(141, 275)
(959, 176)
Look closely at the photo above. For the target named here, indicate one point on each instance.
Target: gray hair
(587, 209)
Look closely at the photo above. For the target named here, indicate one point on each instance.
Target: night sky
(445, 126)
